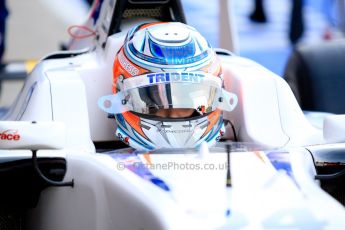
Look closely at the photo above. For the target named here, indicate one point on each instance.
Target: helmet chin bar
(171, 134)
(116, 103)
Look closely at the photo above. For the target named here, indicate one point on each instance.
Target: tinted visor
(149, 99)
(148, 93)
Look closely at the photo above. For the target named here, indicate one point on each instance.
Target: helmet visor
(149, 99)
(168, 90)
(148, 93)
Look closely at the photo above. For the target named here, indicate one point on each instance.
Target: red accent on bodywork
(10, 135)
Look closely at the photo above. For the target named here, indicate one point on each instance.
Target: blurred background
(35, 28)
(268, 42)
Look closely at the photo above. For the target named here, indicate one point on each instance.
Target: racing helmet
(164, 67)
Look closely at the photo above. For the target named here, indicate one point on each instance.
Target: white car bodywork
(56, 115)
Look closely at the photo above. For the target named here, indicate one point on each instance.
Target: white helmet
(162, 68)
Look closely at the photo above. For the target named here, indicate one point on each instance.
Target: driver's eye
(153, 110)
(174, 113)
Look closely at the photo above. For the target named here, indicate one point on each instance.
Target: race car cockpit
(56, 141)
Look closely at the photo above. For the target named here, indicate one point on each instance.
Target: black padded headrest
(162, 10)
(316, 75)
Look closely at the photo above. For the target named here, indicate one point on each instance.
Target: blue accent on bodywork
(281, 161)
(97, 11)
(160, 183)
(132, 162)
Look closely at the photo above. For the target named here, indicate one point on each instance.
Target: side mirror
(334, 128)
(32, 135)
